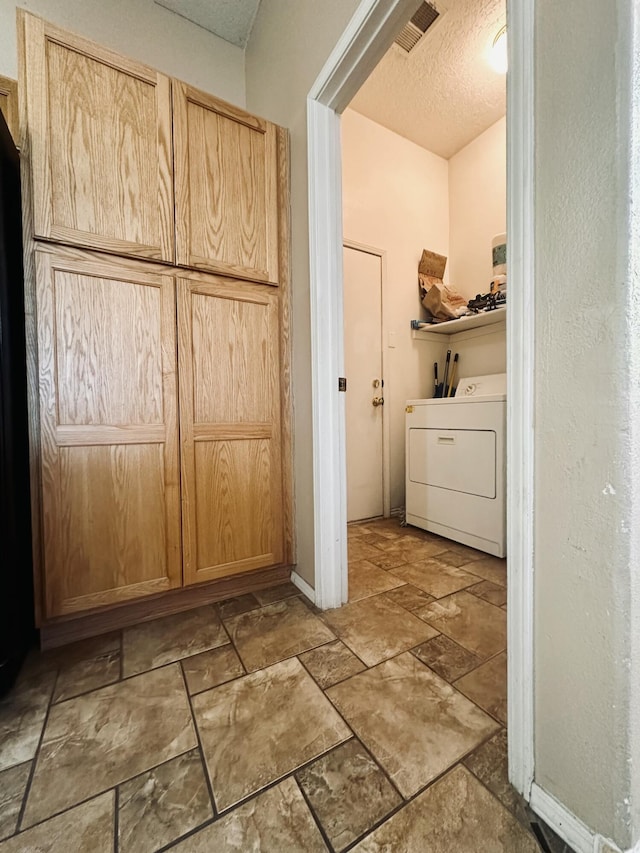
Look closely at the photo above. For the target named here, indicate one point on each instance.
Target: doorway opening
(366, 39)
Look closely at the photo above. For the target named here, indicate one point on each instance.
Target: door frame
(386, 459)
(359, 49)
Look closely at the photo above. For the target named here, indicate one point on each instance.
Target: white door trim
(520, 391)
(386, 458)
(359, 49)
(363, 43)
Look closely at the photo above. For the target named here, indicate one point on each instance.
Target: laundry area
(425, 293)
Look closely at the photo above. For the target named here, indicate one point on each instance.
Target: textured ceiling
(232, 20)
(444, 93)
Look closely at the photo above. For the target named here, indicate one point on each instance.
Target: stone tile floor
(261, 724)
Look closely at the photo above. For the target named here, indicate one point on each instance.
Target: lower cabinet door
(229, 379)
(109, 430)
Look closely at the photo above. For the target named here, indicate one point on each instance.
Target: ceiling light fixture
(498, 53)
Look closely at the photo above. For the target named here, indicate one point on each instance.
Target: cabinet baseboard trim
(59, 632)
(305, 588)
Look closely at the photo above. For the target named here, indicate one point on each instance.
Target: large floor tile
(409, 597)
(72, 653)
(473, 623)
(387, 560)
(22, 715)
(491, 592)
(376, 628)
(209, 669)
(348, 792)
(451, 558)
(331, 663)
(446, 658)
(415, 724)
(276, 593)
(487, 687)
(86, 675)
(490, 763)
(162, 804)
(490, 568)
(456, 814)
(13, 783)
(365, 580)
(379, 538)
(435, 578)
(261, 727)
(411, 549)
(390, 528)
(465, 551)
(276, 632)
(161, 641)
(88, 828)
(100, 739)
(359, 550)
(274, 822)
(239, 604)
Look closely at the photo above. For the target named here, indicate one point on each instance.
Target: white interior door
(363, 367)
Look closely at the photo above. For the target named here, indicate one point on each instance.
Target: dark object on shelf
(17, 630)
(449, 391)
(487, 302)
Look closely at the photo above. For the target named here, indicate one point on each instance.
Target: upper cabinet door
(226, 188)
(99, 142)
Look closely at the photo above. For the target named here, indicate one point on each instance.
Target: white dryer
(456, 464)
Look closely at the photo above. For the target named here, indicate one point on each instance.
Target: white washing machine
(456, 464)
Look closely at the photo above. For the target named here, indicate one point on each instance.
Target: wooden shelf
(462, 324)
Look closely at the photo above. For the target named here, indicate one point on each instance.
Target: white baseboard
(306, 589)
(565, 824)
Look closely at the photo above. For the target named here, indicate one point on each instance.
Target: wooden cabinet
(9, 105)
(109, 430)
(99, 130)
(145, 489)
(226, 188)
(230, 427)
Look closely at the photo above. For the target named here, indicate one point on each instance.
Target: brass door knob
(378, 401)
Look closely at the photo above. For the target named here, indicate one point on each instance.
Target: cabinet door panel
(110, 479)
(233, 502)
(100, 146)
(112, 522)
(9, 105)
(226, 188)
(228, 358)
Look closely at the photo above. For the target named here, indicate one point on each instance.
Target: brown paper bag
(441, 301)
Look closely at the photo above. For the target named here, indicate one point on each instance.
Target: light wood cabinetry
(146, 483)
(9, 105)
(99, 145)
(109, 430)
(226, 188)
(230, 427)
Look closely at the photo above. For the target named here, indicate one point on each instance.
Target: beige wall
(401, 198)
(395, 198)
(477, 201)
(289, 45)
(482, 355)
(586, 521)
(142, 30)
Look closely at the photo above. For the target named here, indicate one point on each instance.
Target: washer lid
(493, 385)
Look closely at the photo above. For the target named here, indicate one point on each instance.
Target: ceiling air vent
(412, 32)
